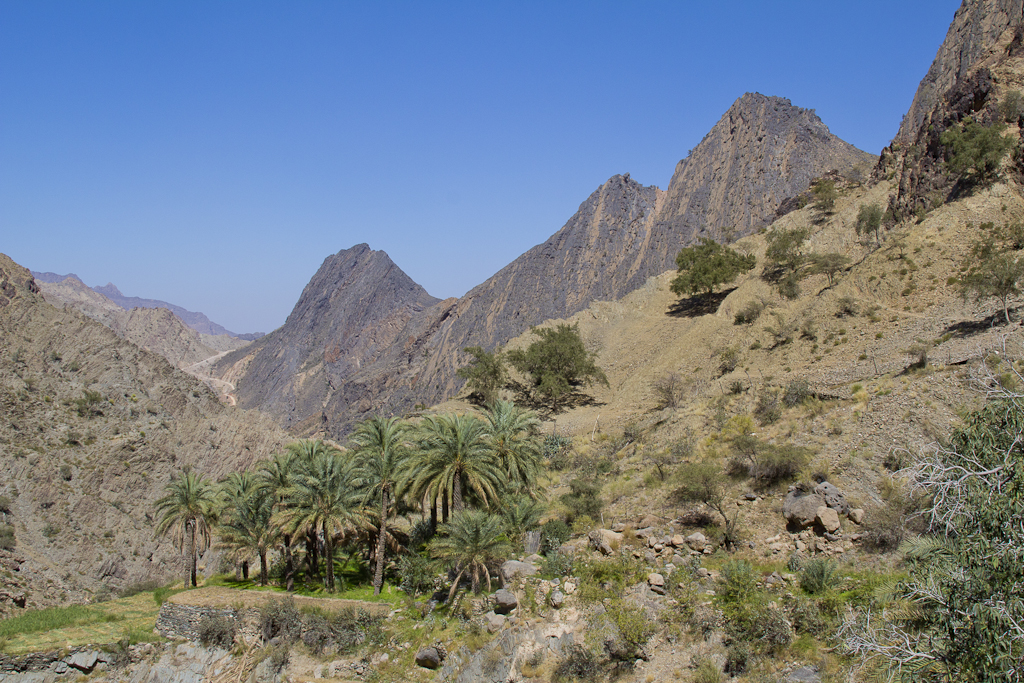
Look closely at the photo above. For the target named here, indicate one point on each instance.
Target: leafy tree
(324, 498)
(187, 511)
(485, 375)
(514, 436)
(976, 151)
(828, 264)
(993, 273)
(380, 459)
(705, 482)
(784, 260)
(869, 220)
(472, 540)
(708, 265)
(825, 196)
(453, 455)
(557, 363)
(960, 615)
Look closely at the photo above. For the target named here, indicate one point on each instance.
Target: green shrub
(779, 462)
(1012, 106)
(975, 151)
(805, 616)
(706, 672)
(557, 564)
(633, 627)
(728, 359)
(818, 576)
(8, 541)
(50, 530)
(217, 631)
(583, 499)
(768, 409)
(5, 505)
(749, 313)
(554, 533)
(796, 393)
(846, 306)
(737, 658)
(280, 619)
(578, 664)
(557, 451)
(416, 572)
(763, 626)
(738, 581)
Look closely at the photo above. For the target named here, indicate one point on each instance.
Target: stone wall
(181, 622)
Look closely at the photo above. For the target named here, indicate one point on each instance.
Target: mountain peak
(109, 289)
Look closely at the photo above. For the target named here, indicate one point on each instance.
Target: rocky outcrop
(364, 338)
(977, 26)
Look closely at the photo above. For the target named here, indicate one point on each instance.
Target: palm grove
(472, 479)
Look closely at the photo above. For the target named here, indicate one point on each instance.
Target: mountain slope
(762, 151)
(82, 473)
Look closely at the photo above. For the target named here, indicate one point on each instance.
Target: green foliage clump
(556, 450)
(975, 151)
(578, 664)
(869, 220)
(738, 581)
(768, 409)
(825, 195)
(993, 273)
(633, 629)
(708, 265)
(829, 265)
(750, 312)
(554, 533)
(485, 375)
(785, 261)
(416, 573)
(7, 537)
(818, 576)
(557, 363)
(217, 630)
(583, 499)
(1011, 107)
(705, 482)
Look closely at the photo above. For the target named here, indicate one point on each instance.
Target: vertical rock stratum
(344, 353)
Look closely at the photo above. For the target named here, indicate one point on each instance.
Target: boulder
(649, 521)
(644, 533)
(84, 661)
(856, 515)
(697, 541)
(428, 658)
(828, 518)
(801, 508)
(513, 568)
(604, 540)
(495, 622)
(805, 674)
(657, 583)
(678, 541)
(504, 601)
(557, 599)
(834, 498)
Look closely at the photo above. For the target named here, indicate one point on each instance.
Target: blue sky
(213, 154)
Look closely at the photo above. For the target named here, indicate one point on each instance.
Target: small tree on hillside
(869, 220)
(486, 374)
(995, 274)
(828, 265)
(708, 265)
(705, 482)
(557, 363)
(976, 151)
(785, 261)
(825, 195)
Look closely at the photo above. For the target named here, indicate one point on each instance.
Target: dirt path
(223, 388)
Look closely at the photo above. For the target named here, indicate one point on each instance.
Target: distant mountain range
(364, 338)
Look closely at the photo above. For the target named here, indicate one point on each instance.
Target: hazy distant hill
(762, 151)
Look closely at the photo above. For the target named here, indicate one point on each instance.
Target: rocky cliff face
(979, 62)
(349, 315)
(762, 151)
(83, 476)
(977, 26)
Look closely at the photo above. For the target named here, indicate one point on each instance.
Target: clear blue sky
(213, 154)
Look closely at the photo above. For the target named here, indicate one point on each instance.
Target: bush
(280, 619)
(554, 533)
(634, 628)
(818, 576)
(769, 407)
(1011, 107)
(738, 581)
(749, 313)
(706, 266)
(763, 626)
(805, 616)
(51, 530)
(5, 505)
(485, 375)
(66, 472)
(217, 631)
(846, 306)
(416, 572)
(669, 390)
(779, 462)
(737, 658)
(975, 151)
(796, 393)
(583, 499)
(706, 672)
(557, 564)
(579, 664)
(557, 450)
(7, 538)
(728, 360)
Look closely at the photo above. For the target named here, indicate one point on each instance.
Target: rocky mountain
(155, 329)
(92, 428)
(979, 63)
(977, 26)
(195, 320)
(762, 151)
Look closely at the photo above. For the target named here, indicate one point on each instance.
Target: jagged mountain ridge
(762, 151)
(83, 479)
(194, 319)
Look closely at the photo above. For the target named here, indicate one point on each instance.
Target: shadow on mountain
(969, 328)
(575, 399)
(696, 306)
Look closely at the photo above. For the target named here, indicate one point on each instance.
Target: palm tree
(520, 514)
(247, 525)
(323, 498)
(514, 437)
(473, 539)
(275, 479)
(186, 512)
(454, 454)
(380, 460)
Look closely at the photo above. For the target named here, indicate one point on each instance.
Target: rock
(504, 601)
(828, 518)
(84, 661)
(534, 559)
(644, 533)
(495, 622)
(428, 658)
(697, 541)
(557, 599)
(834, 498)
(703, 573)
(513, 568)
(650, 521)
(657, 583)
(805, 674)
(750, 496)
(619, 527)
(604, 540)
(856, 515)
(678, 541)
(801, 508)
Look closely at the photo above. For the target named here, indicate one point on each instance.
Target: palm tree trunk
(433, 517)
(190, 566)
(444, 509)
(263, 567)
(476, 579)
(289, 566)
(245, 570)
(457, 492)
(378, 571)
(329, 558)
